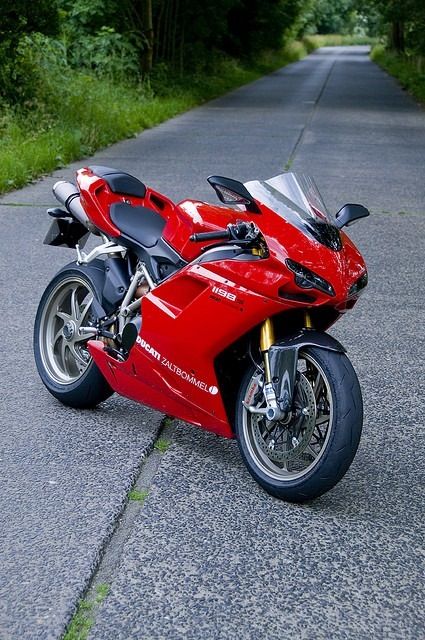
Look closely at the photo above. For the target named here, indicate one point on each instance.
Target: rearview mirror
(349, 213)
(233, 192)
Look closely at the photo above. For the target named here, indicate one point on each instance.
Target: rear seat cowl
(120, 181)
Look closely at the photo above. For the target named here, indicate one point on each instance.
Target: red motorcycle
(214, 314)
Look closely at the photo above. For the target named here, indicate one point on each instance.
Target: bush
(109, 54)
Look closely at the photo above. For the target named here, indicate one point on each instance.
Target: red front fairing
(186, 324)
(267, 277)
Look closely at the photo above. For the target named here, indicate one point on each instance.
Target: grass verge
(406, 70)
(85, 113)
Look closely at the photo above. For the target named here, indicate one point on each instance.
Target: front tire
(63, 361)
(307, 455)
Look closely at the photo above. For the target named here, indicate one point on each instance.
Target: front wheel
(307, 454)
(60, 348)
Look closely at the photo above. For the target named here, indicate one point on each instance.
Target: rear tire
(307, 456)
(63, 362)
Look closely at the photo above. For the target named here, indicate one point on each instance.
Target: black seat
(119, 181)
(141, 230)
(140, 224)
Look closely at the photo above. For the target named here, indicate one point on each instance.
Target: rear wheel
(61, 355)
(307, 454)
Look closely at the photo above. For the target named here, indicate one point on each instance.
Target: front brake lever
(237, 243)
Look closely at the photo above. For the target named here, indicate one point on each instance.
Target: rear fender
(110, 277)
(95, 271)
(283, 357)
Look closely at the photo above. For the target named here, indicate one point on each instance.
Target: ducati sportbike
(214, 314)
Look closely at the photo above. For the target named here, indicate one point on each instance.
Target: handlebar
(241, 231)
(210, 235)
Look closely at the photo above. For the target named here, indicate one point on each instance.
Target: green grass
(162, 445)
(83, 620)
(95, 114)
(406, 70)
(138, 496)
(83, 113)
(102, 591)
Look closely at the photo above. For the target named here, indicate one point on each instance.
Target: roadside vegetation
(402, 48)
(84, 112)
(409, 71)
(312, 42)
(78, 76)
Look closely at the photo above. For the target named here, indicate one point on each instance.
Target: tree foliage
(256, 25)
(402, 21)
(333, 16)
(18, 19)
(123, 40)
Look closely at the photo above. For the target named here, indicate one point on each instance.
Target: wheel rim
(288, 450)
(63, 350)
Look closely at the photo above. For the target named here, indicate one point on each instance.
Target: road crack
(301, 135)
(110, 553)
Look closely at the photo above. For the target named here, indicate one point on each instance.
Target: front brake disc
(277, 440)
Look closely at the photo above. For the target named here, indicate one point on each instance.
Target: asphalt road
(211, 555)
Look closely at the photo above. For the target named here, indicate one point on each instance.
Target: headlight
(359, 284)
(307, 279)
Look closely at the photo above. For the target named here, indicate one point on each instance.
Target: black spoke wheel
(306, 454)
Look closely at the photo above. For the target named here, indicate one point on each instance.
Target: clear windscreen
(296, 198)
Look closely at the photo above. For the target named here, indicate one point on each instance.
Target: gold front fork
(266, 341)
(307, 320)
